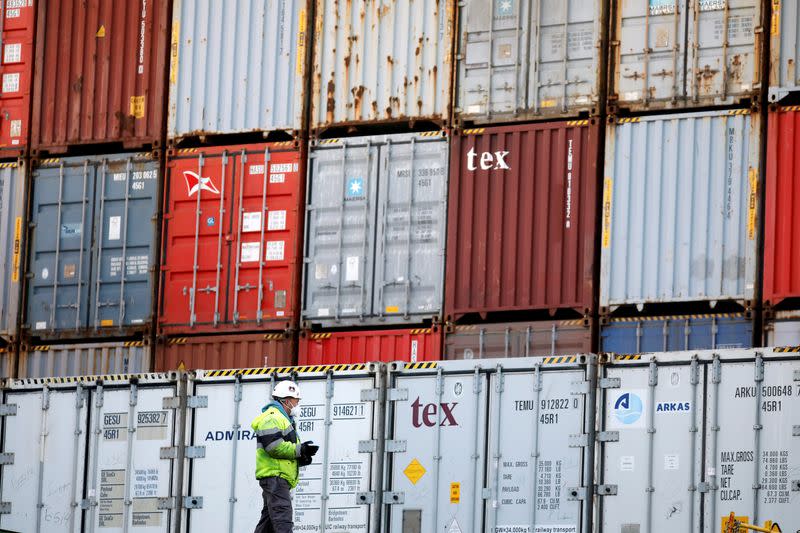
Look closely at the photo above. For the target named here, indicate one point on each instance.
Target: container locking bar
(394, 498)
(8, 409)
(189, 502)
(192, 452)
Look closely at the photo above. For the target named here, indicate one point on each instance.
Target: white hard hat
(286, 389)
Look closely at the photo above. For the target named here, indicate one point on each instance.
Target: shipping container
(521, 221)
(99, 74)
(688, 53)
(340, 412)
(86, 455)
(13, 227)
(493, 445)
(93, 231)
(230, 239)
(375, 230)
(89, 359)
(238, 67)
(782, 329)
(8, 362)
(518, 339)
(781, 230)
(529, 59)
(687, 438)
(363, 346)
(784, 51)
(680, 209)
(16, 71)
(676, 333)
(381, 61)
(226, 351)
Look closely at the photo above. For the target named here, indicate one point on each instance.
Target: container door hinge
(580, 388)
(797, 375)
(703, 487)
(8, 409)
(607, 436)
(88, 504)
(576, 493)
(365, 498)
(394, 498)
(5, 507)
(6, 458)
(395, 446)
(192, 402)
(579, 441)
(486, 494)
(397, 395)
(610, 383)
(189, 502)
(796, 485)
(369, 395)
(192, 452)
(605, 490)
(795, 431)
(367, 446)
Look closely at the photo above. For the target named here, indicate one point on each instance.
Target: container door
(536, 457)
(127, 196)
(436, 474)
(45, 482)
(342, 192)
(197, 224)
(265, 197)
(126, 472)
(62, 212)
(651, 449)
(12, 217)
(752, 458)
(18, 20)
(409, 265)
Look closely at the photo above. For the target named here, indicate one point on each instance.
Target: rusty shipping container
(518, 339)
(782, 214)
(213, 352)
(231, 239)
(100, 73)
(784, 78)
(381, 61)
(16, 70)
(364, 346)
(521, 220)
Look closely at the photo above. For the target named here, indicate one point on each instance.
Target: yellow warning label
(607, 194)
(775, 27)
(101, 32)
(106, 322)
(302, 35)
(740, 519)
(17, 246)
(547, 103)
(173, 64)
(137, 106)
(392, 309)
(414, 471)
(455, 492)
(752, 206)
(181, 366)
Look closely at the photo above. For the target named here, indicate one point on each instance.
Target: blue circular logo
(628, 408)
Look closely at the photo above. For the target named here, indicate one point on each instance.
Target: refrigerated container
(375, 230)
(680, 209)
(381, 61)
(13, 227)
(16, 71)
(782, 329)
(529, 59)
(363, 346)
(521, 221)
(231, 239)
(93, 233)
(84, 359)
(237, 350)
(237, 68)
(99, 74)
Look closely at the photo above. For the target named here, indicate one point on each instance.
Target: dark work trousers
(276, 516)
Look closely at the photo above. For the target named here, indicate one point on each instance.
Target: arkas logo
(428, 414)
(194, 183)
(628, 408)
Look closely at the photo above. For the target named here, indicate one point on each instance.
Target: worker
(279, 455)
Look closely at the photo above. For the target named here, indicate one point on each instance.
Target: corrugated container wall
(676, 333)
(783, 329)
(781, 226)
(337, 348)
(225, 351)
(100, 72)
(16, 70)
(784, 50)
(375, 230)
(521, 224)
(132, 357)
(677, 54)
(93, 228)
(528, 59)
(8, 360)
(680, 209)
(13, 227)
(237, 67)
(518, 339)
(230, 239)
(381, 61)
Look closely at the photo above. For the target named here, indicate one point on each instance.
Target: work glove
(304, 460)
(308, 449)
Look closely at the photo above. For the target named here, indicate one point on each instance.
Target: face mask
(290, 410)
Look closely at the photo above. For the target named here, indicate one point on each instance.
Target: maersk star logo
(194, 183)
(505, 7)
(355, 187)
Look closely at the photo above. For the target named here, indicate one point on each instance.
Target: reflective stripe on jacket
(278, 444)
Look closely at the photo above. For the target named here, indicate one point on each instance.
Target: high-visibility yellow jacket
(278, 444)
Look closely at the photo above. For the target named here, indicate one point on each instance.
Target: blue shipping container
(676, 333)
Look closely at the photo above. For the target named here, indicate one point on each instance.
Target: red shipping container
(781, 226)
(16, 70)
(350, 347)
(100, 73)
(225, 351)
(231, 239)
(521, 220)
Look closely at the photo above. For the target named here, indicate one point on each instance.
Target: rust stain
(358, 93)
(78, 85)
(331, 101)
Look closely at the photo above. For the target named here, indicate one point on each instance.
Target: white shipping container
(783, 329)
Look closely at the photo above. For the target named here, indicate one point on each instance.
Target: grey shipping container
(784, 50)
(381, 61)
(529, 58)
(689, 437)
(92, 245)
(375, 229)
(43, 361)
(8, 361)
(680, 209)
(12, 233)
(782, 329)
(667, 53)
(493, 445)
(237, 67)
(98, 445)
